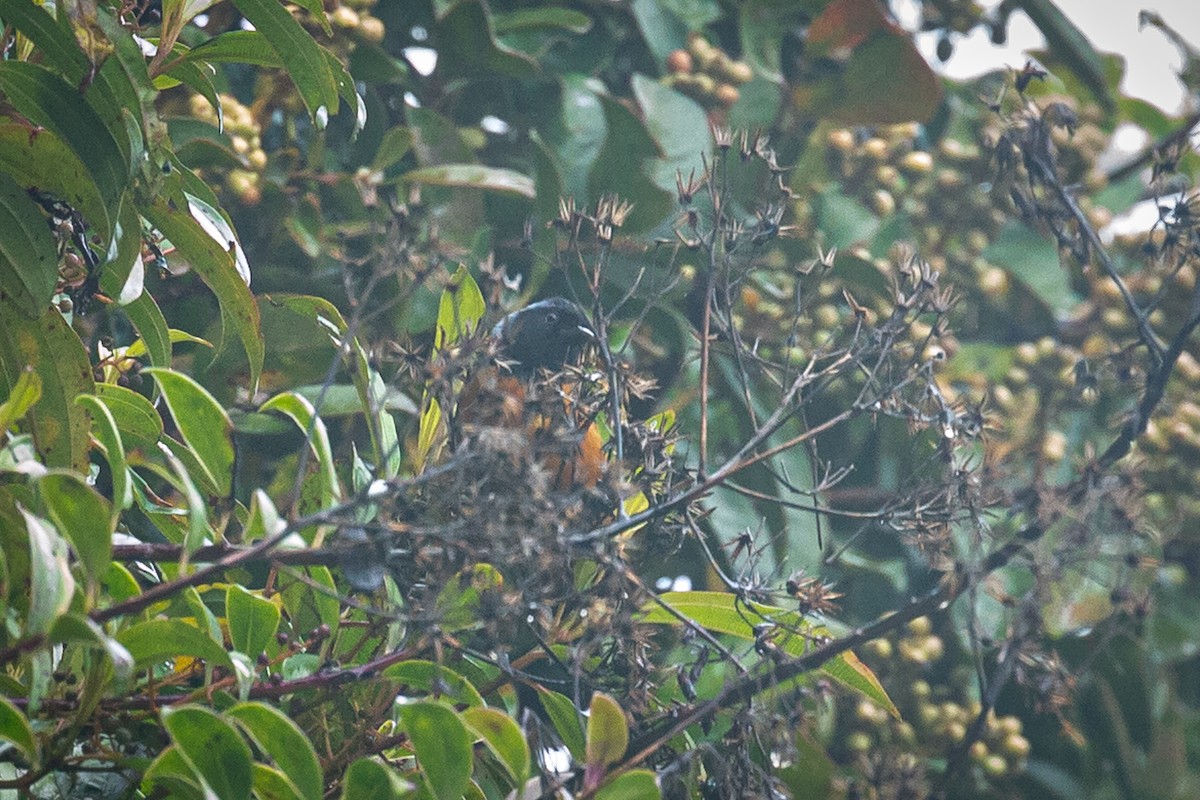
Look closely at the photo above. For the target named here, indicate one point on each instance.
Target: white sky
(1111, 25)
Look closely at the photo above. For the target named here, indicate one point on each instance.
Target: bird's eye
(552, 317)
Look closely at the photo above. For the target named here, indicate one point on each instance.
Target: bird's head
(544, 335)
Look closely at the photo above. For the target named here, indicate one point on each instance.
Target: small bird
(548, 334)
(544, 336)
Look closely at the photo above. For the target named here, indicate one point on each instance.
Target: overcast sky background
(1111, 25)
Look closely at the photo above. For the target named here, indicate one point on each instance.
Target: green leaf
(300, 411)
(217, 267)
(503, 737)
(311, 605)
(442, 747)
(253, 620)
(843, 220)
(58, 46)
(77, 629)
(367, 779)
(607, 731)
(47, 100)
(28, 258)
(662, 29)
(202, 422)
(83, 516)
(213, 749)
(1033, 260)
(434, 679)
(169, 773)
(396, 144)
(303, 59)
(637, 784)
(236, 47)
(555, 18)
(474, 176)
(1071, 46)
(721, 612)
(21, 397)
(139, 424)
(628, 143)
(680, 127)
(264, 519)
(273, 784)
(565, 718)
(460, 309)
(59, 426)
(280, 738)
(15, 728)
(467, 44)
(51, 584)
(44, 161)
(158, 640)
(458, 601)
(197, 510)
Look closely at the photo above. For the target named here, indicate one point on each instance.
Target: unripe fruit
(858, 742)
(726, 94)
(883, 203)
(921, 626)
(840, 139)
(344, 17)
(875, 148)
(740, 72)
(1015, 746)
(680, 62)
(995, 766)
(917, 162)
(372, 29)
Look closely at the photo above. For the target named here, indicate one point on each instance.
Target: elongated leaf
(78, 629)
(460, 309)
(371, 389)
(203, 423)
(565, 718)
(47, 100)
(21, 397)
(442, 745)
(607, 731)
(302, 57)
(40, 159)
(304, 415)
(434, 679)
(139, 424)
(58, 46)
(51, 585)
(28, 259)
(15, 728)
(213, 748)
(104, 428)
(236, 47)
(253, 620)
(217, 267)
(282, 740)
(503, 737)
(371, 780)
(48, 345)
(158, 640)
(84, 517)
(721, 612)
(197, 511)
(637, 784)
(474, 176)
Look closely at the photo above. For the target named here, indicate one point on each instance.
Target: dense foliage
(897, 441)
